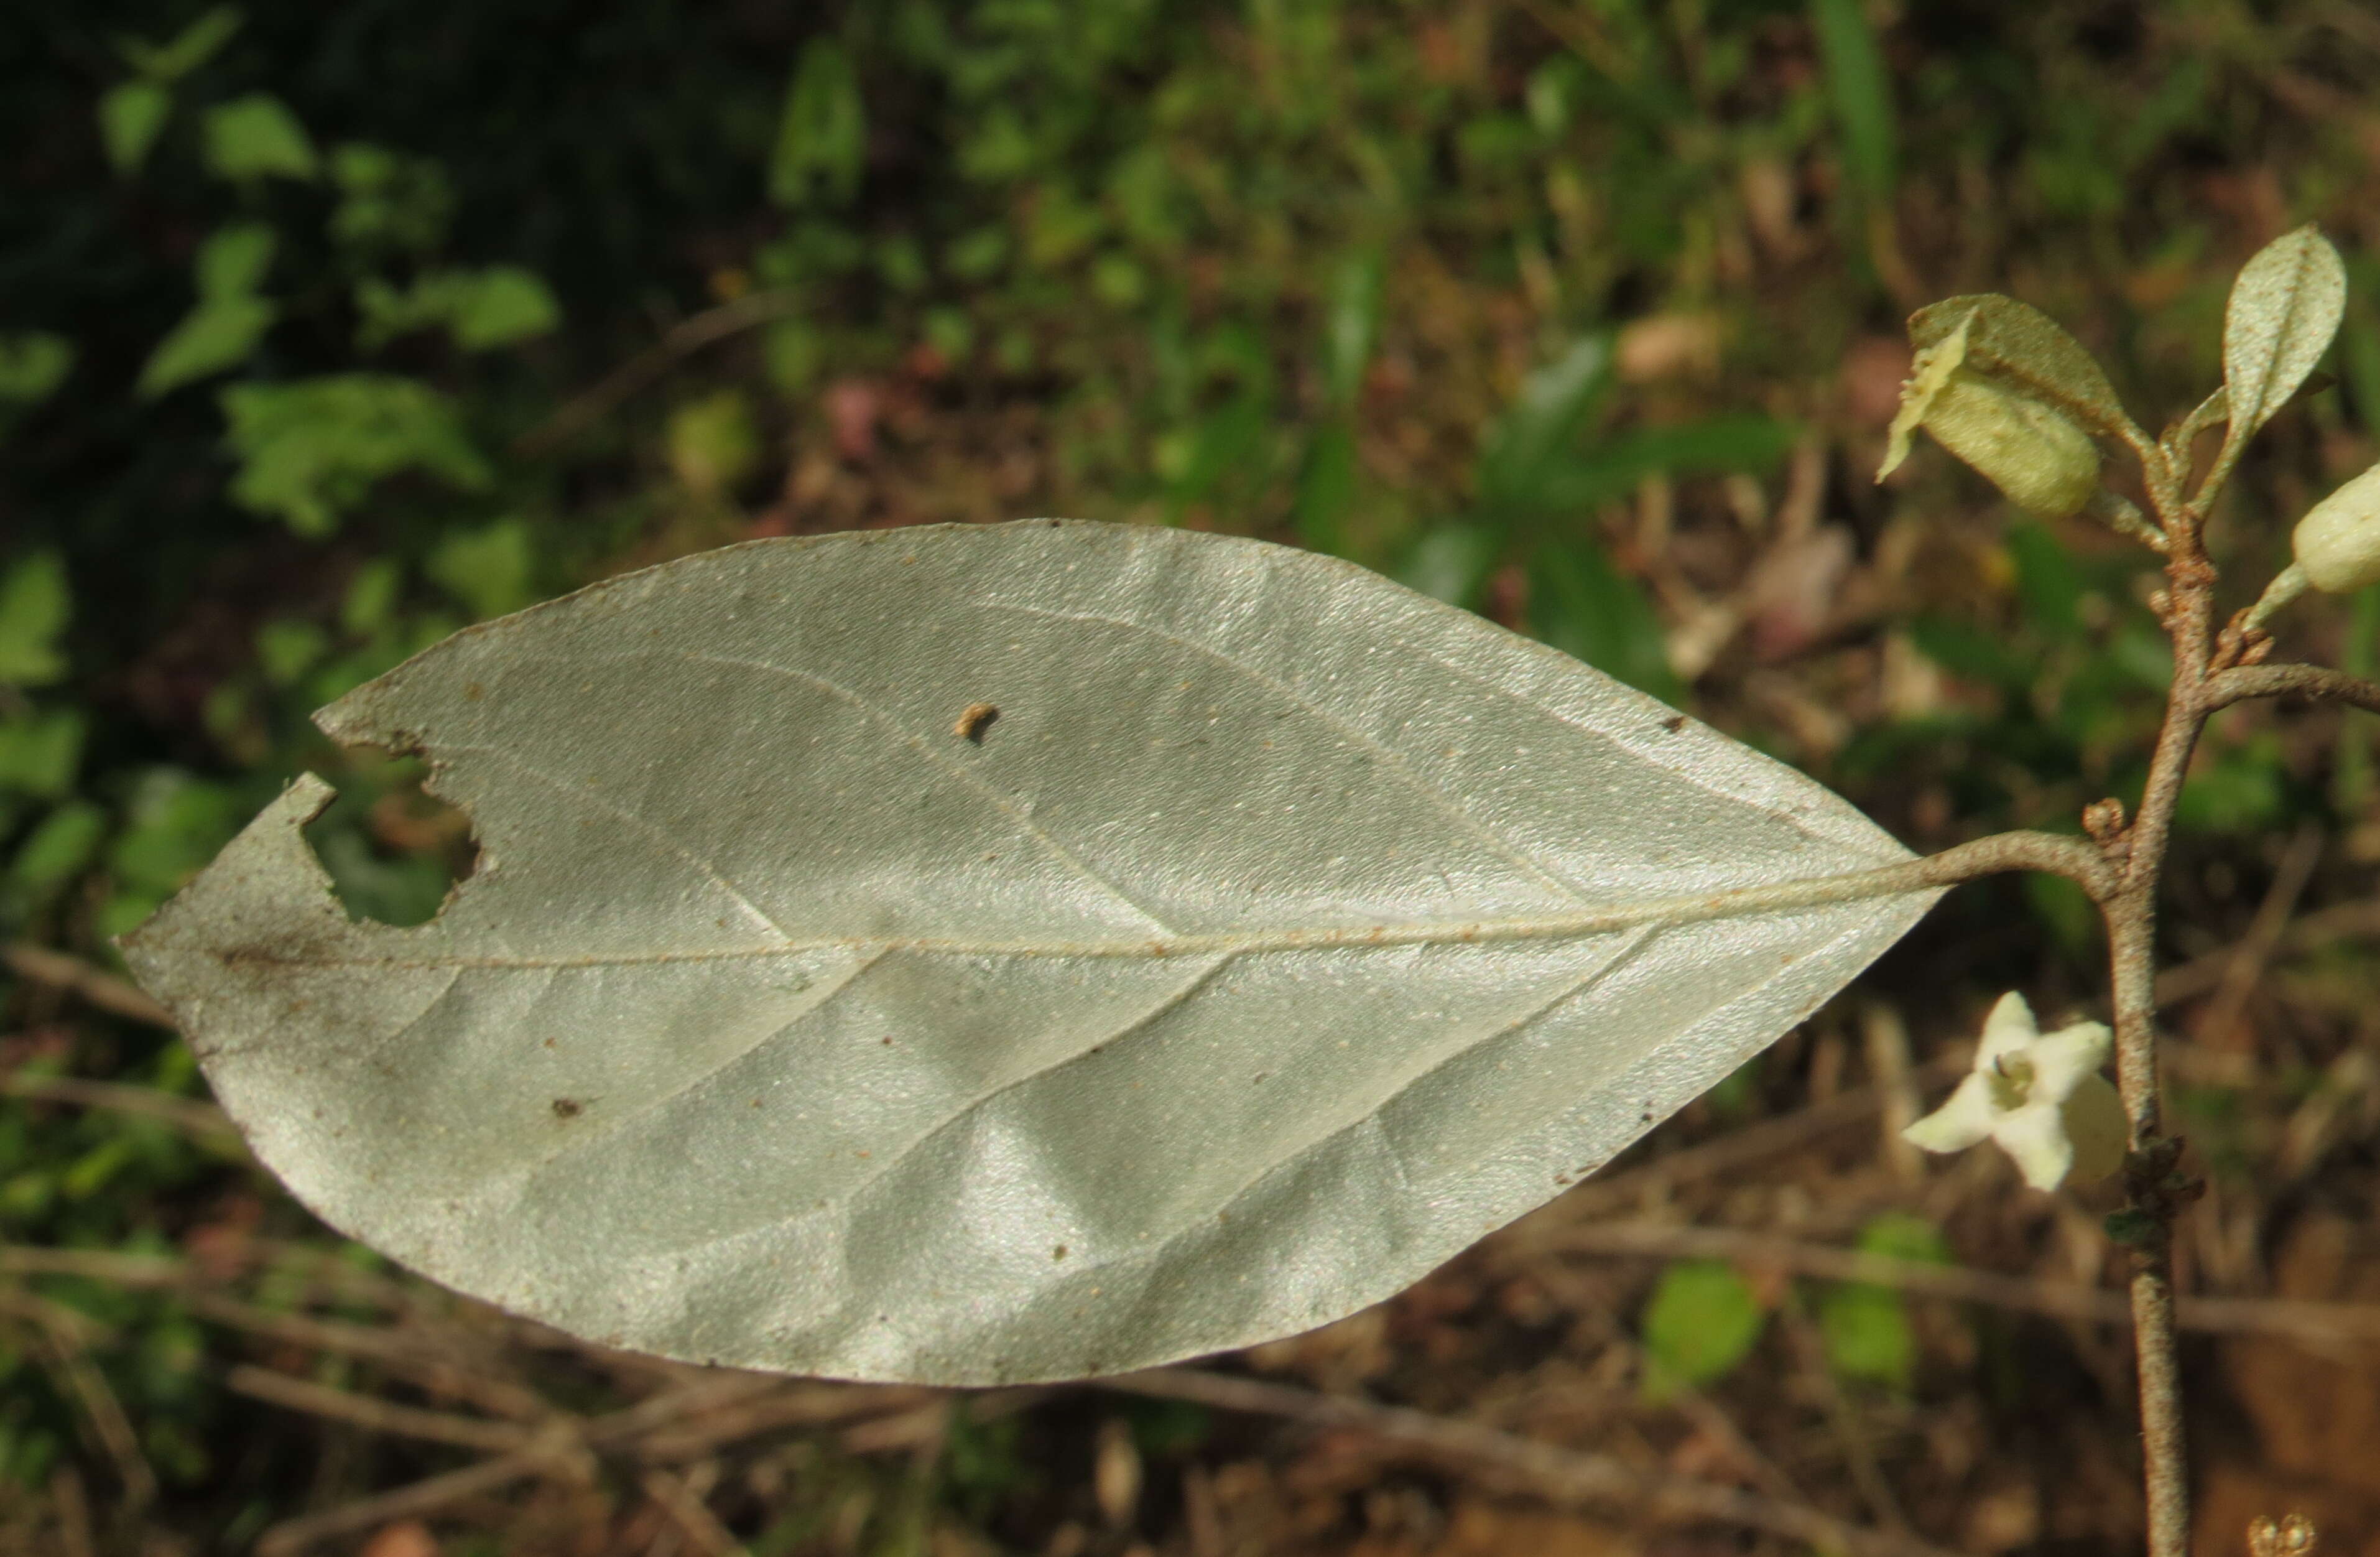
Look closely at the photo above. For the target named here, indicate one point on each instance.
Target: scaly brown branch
(2312, 682)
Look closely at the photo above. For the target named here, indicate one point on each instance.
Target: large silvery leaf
(1281, 932)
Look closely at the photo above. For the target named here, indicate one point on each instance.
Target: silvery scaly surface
(976, 954)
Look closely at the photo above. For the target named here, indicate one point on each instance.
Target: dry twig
(2326, 1324)
(104, 990)
(378, 1416)
(188, 1114)
(1554, 1472)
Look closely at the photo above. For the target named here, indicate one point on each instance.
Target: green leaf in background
(481, 309)
(1865, 1326)
(501, 306)
(822, 137)
(713, 442)
(491, 570)
(57, 849)
(370, 604)
(223, 330)
(1326, 482)
(1567, 483)
(389, 201)
(191, 48)
(218, 335)
(2015, 340)
(2234, 789)
(1860, 91)
(130, 116)
(2063, 909)
(258, 137)
(233, 261)
(2284, 309)
(1586, 608)
(287, 649)
(173, 823)
(35, 605)
(1224, 853)
(32, 364)
(39, 752)
(1701, 1320)
(1449, 562)
(2047, 580)
(311, 450)
(1555, 403)
(1964, 649)
(1325, 489)
(1353, 322)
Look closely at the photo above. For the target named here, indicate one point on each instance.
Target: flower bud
(2028, 448)
(2337, 543)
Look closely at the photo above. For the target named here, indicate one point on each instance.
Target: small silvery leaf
(2284, 309)
(985, 954)
(2025, 347)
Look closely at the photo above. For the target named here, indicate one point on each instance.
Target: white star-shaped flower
(2039, 1095)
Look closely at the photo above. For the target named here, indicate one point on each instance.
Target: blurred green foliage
(1700, 1321)
(326, 331)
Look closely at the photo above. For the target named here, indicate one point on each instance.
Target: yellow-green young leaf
(2016, 342)
(713, 442)
(1001, 953)
(258, 137)
(35, 605)
(2284, 309)
(130, 116)
(217, 335)
(1700, 1321)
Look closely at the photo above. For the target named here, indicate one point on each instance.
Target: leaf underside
(2019, 341)
(1281, 932)
(2284, 309)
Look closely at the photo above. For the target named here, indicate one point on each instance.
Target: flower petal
(2035, 1138)
(2095, 1121)
(1958, 1123)
(2061, 1060)
(2007, 1031)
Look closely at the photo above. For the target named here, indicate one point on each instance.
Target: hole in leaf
(393, 851)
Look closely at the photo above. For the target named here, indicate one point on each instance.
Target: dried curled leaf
(2016, 342)
(1284, 932)
(2284, 307)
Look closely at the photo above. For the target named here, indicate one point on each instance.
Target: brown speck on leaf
(473, 691)
(1674, 723)
(566, 1108)
(1059, 1252)
(974, 721)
